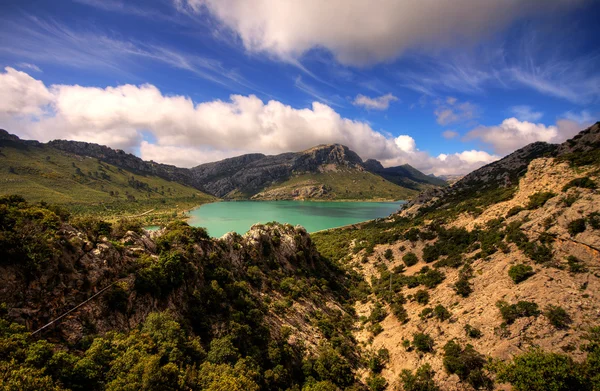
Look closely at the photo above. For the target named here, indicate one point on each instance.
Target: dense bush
(462, 286)
(520, 272)
(514, 211)
(583, 182)
(388, 254)
(575, 265)
(422, 380)
(538, 199)
(410, 259)
(422, 342)
(421, 296)
(376, 382)
(472, 332)
(378, 360)
(441, 313)
(511, 312)
(431, 278)
(468, 364)
(536, 370)
(576, 226)
(557, 316)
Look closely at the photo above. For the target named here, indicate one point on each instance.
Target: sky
(445, 86)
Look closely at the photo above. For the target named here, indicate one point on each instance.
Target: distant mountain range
(323, 172)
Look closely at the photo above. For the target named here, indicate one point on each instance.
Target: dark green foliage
(511, 312)
(441, 313)
(468, 364)
(514, 210)
(583, 182)
(28, 234)
(388, 254)
(472, 332)
(378, 360)
(421, 296)
(575, 265)
(378, 313)
(520, 272)
(160, 277)
(117, 297)
(426, 313)
(422, 380)
(431, 278)
(399, 312)
(576, 226)
(422, 342)
(594, 220)
(557, 316)
(376, 382)
(538, 199)
(462, 286)
(410, 259)
(536, 370)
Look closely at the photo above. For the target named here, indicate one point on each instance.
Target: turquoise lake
(222, 217)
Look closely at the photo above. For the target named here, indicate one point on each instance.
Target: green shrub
(576, 226)
(584, 182)
(421, 296)
(399, 312)
(378, 360)
(376, 382)
(575, 265)
(422, 342)
(538, 199)
(520, 272)
(536, 370)
(388, 254)
(557, 316)
(378, 313)
(594, 220)
(410, 259)
(431, 278)
(514, 211)
(422, 380)
(426, 313)
(511, 312)
(441, 313)
(472, 332)
(376, 329)
(468, 364)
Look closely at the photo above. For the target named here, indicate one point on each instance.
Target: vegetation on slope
(262, 312)
(337, 185)
(88, 186)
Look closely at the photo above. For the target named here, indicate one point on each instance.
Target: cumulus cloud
(450, 134)
(361, 32)
(512, 134)
(379, 103)
(21, 94)
(526, 113)
(186, 133)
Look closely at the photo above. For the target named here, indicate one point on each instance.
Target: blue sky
(443, 86)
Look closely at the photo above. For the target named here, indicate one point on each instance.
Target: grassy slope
(350, 185)
(84, 185)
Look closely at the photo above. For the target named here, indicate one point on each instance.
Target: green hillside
(88, 186)
(337, 185)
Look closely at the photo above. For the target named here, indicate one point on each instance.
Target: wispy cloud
(451, 111)
(526, 113)
(48, 41)
(548, 69)
(312, 91)
(26, 65)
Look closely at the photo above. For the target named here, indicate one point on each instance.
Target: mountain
(42, 172)
(501, 266)
(322, 172)
(489, 284)
(405, 175)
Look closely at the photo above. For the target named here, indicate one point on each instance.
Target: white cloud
(583, 117)
(406, 143)
(512, 134)
(450, 134)
(379, 103)
(21, 94)
(27, 65)
(362, 32)
(451, 111)
(526, 113)
(188, 133)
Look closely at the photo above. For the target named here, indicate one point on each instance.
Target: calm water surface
(222, 217)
